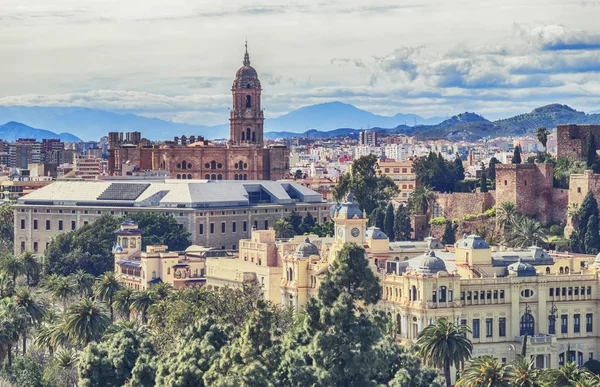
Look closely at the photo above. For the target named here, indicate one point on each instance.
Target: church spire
(246, 56)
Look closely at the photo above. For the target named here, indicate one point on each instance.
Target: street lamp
(552, 318)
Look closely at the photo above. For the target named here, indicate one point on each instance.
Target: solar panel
(123, 191)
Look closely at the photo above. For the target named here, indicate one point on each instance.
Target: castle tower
(246, 117)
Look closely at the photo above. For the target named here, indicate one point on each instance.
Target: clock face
(340, 231)
(355, 232)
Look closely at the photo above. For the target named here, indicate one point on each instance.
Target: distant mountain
(12, 131)
(334, 115)
(91, 124)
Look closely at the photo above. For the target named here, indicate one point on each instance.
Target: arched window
(220, 177)
(213, 164)
(184, 176)
(179, 175)
(527, 322)
(413, 293)
(132, 243)
(189, 175)
(213, 177)
(253, 137)
(248, 101)
(245, 177)
(125, 243)
(207, 165)
(442, 293)
(178, 165)
(243, 136)
(547, 270)
(247, 134)
(398, 323)
(241, 165)
(560, 270)
(207, 176)
(219, 165)
(566, 270)
(290, 274)
(235, 177)
(248, 86)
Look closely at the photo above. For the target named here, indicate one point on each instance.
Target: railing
(536, 339)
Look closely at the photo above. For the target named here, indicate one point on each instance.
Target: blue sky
(176, 59)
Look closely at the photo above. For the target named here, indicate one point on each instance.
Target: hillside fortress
(244, 157)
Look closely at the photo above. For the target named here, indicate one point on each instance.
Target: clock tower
(246, 117)
(350, 222)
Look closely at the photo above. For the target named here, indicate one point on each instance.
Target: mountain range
(328, 120)
(11, 131)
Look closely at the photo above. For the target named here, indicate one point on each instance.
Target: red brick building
(245, 157)
(572, 140)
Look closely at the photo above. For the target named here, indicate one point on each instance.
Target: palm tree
(31, 266)
(12, 266)
(12, 321)
(505, 213)
(283, 229)
(61, 289)
(161, 291)
(34, 309)
(84, 282)
(140, 303)
(445, 344)
(542, 136)
(7, 286)
(524, 374)
(567, 375)
(106, 288)
(484, 371)
(573, 212)
(421, 200)
(86, 321)
(122, 302)
(525, 232)
(51, 335)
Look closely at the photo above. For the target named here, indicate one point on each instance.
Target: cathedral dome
(246, 77)
(306, 249)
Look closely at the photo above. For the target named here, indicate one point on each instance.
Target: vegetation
(294, 224)
(564, 168)
(585, 238)
(370, 189)
(402, 226)
(519, 230)
(449, 236)
(438, 174)
(516, 159)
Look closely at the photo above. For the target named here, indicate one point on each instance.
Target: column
(283, 299)
(420, 324)
(542, 315)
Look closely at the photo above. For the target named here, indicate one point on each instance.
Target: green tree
(402, 226)
(591, 154)
(484, 371)
(13, 266)
(106, 288)
(525, 232)
(161, 229)
(421, 200)
(7, 217)
(295, 220)
(449, 238)
(370, 189)
(13, 320)
(492, 168)
(298, 174)
(85, 321)
(26, 371)
(122, 302)
(516, 159)
(524, 374)
(308, 222)
(505, 214)
(567, 375)
(141, 302)
(388, 221)
(542, 136)
(589, 207)
(7, 286)
(83, 282)
(34, 310)
(31, 268)
(592, 237)
(445, 344)
(323, 229)
(61, 289)
(376, 218)
(283, 229)
(484, 187)
(459, 169)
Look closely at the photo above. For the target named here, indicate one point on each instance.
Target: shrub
(438, 221)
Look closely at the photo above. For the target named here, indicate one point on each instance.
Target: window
(154, 274)
(551, 292)
(22, 224)
(266, 224)
(60, 225)
(489, 326)
(245, 226)
(442, 294)
(168, 270)
(35, 247)
(23, 247)
(256, 224)
(234, 227)
(212, 228)
(576, 323)
(468, 296)
(589, 290)
(589, 322)
(502, 327)
(564, 323)
(476, 328)
(201, 228)
(48, 228)
(552, 324)
(501, 293)
(223, 227)
(73, 224)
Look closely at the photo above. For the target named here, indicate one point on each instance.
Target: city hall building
(216, 213)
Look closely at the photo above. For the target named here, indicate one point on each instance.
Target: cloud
(553, 37)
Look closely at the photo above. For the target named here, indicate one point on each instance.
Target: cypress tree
(591, 151)
(592, 237)
(402, 228)
(388, 221)
(483, 182)
(459, 169)
(492, 168)
(517, 155)
(376, 218)
(589, 207)
(449, 238)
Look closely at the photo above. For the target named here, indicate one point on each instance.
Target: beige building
(403, 175)
(14, 189)
(89, 167)
(501, 295)
(216, 213)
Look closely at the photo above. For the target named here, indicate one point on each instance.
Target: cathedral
(244, 157)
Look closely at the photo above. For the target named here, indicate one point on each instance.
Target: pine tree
(592, 236)
(492, 168)
(517, 155)
(388, 221)
(483, 182)
(589, 207)
(402, 227)
(459, 169)
(449, 238)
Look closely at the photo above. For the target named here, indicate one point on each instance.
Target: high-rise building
(368, 137)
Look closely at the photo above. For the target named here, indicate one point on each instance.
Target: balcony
(540, 338)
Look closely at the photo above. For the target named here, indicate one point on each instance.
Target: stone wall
(456, 205)
(572, 140)
(419, 226)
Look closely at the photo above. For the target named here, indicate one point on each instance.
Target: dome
(306, 249)
(246, 77)
(472, 242)
(129, 222)
(522, 269)
(431, 264)
(349, 209)
(375, 233)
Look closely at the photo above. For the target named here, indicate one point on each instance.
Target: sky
(176, 59)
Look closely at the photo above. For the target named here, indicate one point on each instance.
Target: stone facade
(572, 139)
(456, 205)
(245, 157)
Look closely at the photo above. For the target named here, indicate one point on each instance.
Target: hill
(334, 115)
(12, 131)
(91, 124)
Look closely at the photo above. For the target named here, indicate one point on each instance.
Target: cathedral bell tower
(246, 117)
